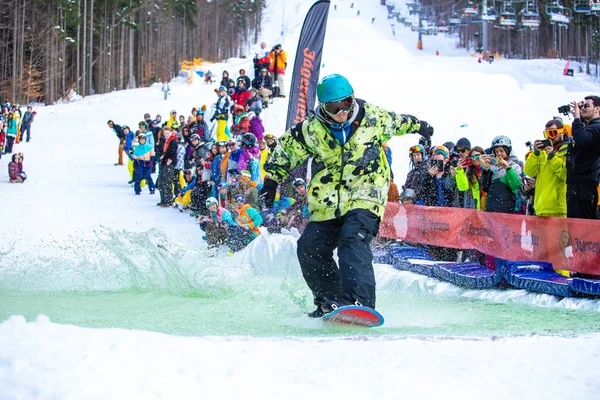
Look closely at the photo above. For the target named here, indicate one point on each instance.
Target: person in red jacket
(241, 94)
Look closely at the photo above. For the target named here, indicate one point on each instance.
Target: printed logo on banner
(565, 245)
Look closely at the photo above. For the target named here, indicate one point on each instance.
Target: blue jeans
(143, 170)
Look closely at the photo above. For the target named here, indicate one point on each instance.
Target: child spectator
(143, 158)
(216, 223)
(15, 170)
(248, 220)
(419, 168)
(468, 172)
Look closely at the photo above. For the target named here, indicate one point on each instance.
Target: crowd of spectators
(15, 127)
(559, 177)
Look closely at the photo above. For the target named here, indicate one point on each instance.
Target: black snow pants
(354, 280)
(165, 184)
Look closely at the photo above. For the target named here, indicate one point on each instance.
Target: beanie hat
(464, 143)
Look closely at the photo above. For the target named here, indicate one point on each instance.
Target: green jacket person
(348, 190)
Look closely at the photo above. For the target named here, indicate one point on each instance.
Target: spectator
(3, 126)
(244, 78)
(14, 170)
(548, 166)
(419, 167)
(200, 127)
(246, 187)
(167, 168)
(501, 177)
(256, 126)
(184, 200)
(26, 122)
(408, 196)
(248, 220)
(143, 158)
(439, 186)
(583, 165)
(225, 79)
(254, 103)
(241, 94)
(221, 114)
(264, 86)
(393, 194)
(241, 122)
(11, 132)
(172, 122)
(277, 68)
(468, 172)
(215, 223)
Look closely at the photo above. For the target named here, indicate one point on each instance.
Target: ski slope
(75, 237)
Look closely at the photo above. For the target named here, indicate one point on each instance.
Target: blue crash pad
(470, 275)
(412, 259)
(536, 277)
(585, 286)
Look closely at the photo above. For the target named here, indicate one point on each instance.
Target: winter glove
(426, 130)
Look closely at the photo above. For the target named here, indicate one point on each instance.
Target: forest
(49, 47)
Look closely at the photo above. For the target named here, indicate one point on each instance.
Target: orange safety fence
(567, 243)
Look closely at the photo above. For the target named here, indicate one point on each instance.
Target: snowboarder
(347, 193)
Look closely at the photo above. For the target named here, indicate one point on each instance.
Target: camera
(564, 110)
(529, 144)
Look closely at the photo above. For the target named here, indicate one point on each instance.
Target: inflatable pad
(469, 275)
(585, 286)
(412, 259)
(536, 277)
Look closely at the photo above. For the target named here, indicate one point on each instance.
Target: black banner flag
(307, 64)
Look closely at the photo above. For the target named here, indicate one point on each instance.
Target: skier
(347, 193)
(165, 89)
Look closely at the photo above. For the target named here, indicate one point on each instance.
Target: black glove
(426, 130)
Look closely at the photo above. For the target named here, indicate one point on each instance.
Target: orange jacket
(248, 216)
(281, 60)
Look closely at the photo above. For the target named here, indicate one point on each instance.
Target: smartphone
(439, 164)
(494, 161)
(546, 143)
(467, 161)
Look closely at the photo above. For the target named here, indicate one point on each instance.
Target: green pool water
(182, 294)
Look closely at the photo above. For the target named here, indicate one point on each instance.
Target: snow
(75, 223)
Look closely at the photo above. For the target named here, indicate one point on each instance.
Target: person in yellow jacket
(173, 123)
(548, 165)
(278, 66)
(468, 172)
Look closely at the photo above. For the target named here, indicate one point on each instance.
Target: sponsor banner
(567, 243)
(305, 76)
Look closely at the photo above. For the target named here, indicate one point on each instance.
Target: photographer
(583, 158)
(547, 164)
(439, 186)
(501, 177)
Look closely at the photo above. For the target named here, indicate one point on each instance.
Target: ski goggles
(335, 108)
(553, 133)
(417, 149)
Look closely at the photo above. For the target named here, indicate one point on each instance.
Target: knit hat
(464, 143)
(440, 150)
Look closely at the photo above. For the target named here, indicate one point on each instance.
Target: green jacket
(462, 183)
(550, 182)
(353, 176)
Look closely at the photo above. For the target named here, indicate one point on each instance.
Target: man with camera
(548, 165)
(583, 167)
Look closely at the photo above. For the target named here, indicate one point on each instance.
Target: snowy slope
(71, 226)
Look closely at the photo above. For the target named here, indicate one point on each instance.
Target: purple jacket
(246, 156)
(256, 127)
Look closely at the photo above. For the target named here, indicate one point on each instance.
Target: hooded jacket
(501, 185)
(550, 182)
(346, 175)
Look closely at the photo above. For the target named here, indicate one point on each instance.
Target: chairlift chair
(455, 19)
(508, 15)
(530, 15)
(595, 6)
(558, 14)
(471, 9)
(581, 6)
(490, 15)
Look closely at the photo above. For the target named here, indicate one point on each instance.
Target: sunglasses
(553, 133)
(231, 144)
(337, 107)
(462, 150)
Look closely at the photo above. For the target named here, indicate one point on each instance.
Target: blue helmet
(240, 197)
(334, 88)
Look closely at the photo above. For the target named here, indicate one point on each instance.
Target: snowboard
(355, 316)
